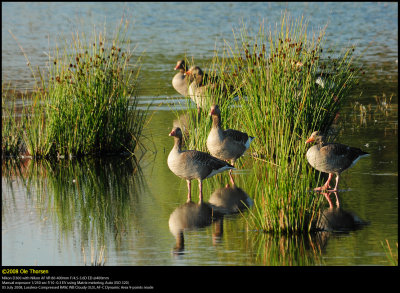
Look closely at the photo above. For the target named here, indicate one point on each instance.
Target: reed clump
(87, 103)
(287, 85)
(11, 123)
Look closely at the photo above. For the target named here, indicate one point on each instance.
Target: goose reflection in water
(190, 216)
(336, 219)
(227, 200)
(186, 217)
(230, 199)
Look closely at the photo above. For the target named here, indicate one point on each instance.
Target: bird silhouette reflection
(191, 215)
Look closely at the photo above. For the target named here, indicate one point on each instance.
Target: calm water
(72, 212)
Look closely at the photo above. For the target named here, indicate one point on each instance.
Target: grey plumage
(229, 144)
(200, 85)
(181, 81)
(332, 158)
(192, 164)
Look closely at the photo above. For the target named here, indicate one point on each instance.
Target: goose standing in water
(229, 144)
(332, 158)
(192, 164)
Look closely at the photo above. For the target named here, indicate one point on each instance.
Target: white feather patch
(248, 142)
(355, 161)
(224, 168)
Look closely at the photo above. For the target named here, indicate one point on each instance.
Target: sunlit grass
(85, 99)
(11, 124)
(288, 85)
(392, 254)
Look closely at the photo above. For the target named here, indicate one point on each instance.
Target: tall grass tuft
(87, 103)
(286, 89)
(289, 86)
(11, 124)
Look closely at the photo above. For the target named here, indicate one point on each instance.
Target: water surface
(117, 211)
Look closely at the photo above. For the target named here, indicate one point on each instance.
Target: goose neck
(178, 143)
(216, 119)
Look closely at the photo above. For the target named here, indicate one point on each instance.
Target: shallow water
(56, 210)
(69, 213)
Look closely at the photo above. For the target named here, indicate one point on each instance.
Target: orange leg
(201, 191)
(189, 196)
(337, 183)
(326, 185)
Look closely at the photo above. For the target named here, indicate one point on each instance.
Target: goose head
(181, 65)
(176, 132)
(215, 110)
(195, 71)
(316, 136)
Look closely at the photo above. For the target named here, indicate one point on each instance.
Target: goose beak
(176, 67)
(187, 72)
(311, 139)
(172, 133)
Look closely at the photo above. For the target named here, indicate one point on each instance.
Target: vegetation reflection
(89, 199)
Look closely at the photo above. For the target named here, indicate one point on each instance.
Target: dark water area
(118, 211)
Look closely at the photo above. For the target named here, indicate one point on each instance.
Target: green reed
(11, 124)
(392, 256)
(275, 77)
(87, 102)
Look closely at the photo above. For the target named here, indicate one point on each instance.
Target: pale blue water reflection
(167, 31)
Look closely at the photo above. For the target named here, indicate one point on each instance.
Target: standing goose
(332, 158)
(191, 164)
(181, 81)
(226, 144)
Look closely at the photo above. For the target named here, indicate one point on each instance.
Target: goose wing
(236, 135)
(341, 156)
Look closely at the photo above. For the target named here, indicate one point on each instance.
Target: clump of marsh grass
(288, 84)
(11, 122)
(87, 104)
(286, 89)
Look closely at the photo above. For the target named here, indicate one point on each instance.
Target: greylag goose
(181, 81)
(192, 164)
(226, 144)
(201, 83)
(332, 158)
(204, 85)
